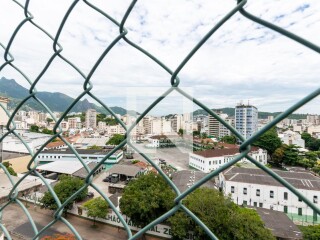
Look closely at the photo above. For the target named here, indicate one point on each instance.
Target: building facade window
(258, 192)
(315, 199)
(300, 211)
(245, 203)
(315, 216)
(285, 209)
(261, 205)
(255, 204)
(285, 196)
(271, 194)
(245, 191)
(232, 189)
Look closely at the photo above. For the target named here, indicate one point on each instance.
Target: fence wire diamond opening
(88, 86)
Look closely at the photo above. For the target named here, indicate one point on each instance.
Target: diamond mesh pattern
(87, 87)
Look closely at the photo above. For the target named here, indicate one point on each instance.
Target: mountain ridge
(56, 101)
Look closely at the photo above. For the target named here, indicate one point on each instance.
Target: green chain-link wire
(87, 87)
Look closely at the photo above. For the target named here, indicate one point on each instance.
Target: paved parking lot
(176, 157)
(103, 186)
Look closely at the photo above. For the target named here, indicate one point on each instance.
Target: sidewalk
(16, 222)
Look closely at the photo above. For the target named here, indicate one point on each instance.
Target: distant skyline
(241, 61)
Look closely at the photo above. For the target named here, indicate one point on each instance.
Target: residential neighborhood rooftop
(279, 224)
(80, 151)
(186, 178)
(300, 180)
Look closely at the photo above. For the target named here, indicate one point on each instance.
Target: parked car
(107, 179)
(113, 178)
(90, 195)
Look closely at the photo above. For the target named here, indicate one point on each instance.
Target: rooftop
(219, 152)
(65, 167)
(185, 178)
(6, 186)
(80, 151)
(128, 170)
(300, 180)
(279, 224)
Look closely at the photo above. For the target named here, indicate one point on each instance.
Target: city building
(314, 130)
(254, 187)
(91, 119)
(86, 154)
(34, 141)
(159, 141)
(210, 160)
(289, 137)
(74, 123)
(72, 168)
(216, 128)
(246, 119)
(85, 142)
(25, 187)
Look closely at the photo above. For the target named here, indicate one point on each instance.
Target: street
(19, 226)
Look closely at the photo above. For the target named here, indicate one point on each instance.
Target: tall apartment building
(313, 119)
(91, 118)
(74, 123)
(216, 128)
(246, 119)
(147, 124)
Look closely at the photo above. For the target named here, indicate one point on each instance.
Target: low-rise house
(254, 187)
(210, 160)
(90, 155)
(289, 137)
(160, 141)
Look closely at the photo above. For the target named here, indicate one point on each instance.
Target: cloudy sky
(241, 61)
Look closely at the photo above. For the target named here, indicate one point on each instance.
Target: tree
(269, 141)
(94, 147)
(306, 136)
(47, 131)
(146, 199)
(229, 139)
(310, 232)
(277, 156)
(64, 189)
(9, 168)
(291, 154)
(116, 139)
(49, 120)
(181, 132)
(196, 133)
(287, 154)
(34, 128)
(224, 218)
(204, 135)
(96, 208)
(310, 160)
(311, 143)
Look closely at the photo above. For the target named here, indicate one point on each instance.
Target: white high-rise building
(246, 119)
(91, 118)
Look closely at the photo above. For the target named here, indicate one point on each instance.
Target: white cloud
(242, 60)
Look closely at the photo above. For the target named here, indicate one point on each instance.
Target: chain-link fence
(87, 87)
